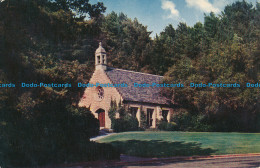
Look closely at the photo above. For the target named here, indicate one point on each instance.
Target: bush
(128, 123)
(132, 123)
(166, 126)
(99, 151)
(143, 123)
(118, 125)
(56, 134)
(200, 123)
(182, 118)
(185, 121)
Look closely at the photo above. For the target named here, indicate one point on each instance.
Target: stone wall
(157, 111)
(90, 96)
(90, 99)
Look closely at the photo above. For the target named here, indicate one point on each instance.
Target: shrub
(56, 134)
(100, 151)
(128, 123)
(182, 118)
(185, 121)
(113, 109)
(167, 126)
(200, 123)
(132, 123)
(143, 123)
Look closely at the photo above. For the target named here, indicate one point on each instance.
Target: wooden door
(101, 118)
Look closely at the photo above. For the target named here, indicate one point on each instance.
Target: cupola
(101, 58)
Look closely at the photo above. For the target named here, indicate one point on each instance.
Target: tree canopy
(54, 41)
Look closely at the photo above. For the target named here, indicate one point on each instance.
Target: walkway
(102, 134)
(217, 161)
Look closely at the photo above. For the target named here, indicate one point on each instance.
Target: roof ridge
(115, 87)
(136, 72)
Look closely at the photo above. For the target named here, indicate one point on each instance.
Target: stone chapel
(148, 99)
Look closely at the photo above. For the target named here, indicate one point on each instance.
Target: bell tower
(101, 58)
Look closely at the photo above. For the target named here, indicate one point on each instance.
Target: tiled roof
(137, 94)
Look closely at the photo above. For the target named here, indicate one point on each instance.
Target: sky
(157, 14)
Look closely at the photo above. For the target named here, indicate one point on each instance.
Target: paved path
(101, 136)
(233, 162)
(217, 161)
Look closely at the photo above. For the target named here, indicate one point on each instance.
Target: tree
(43, 125)
(126, 41)
(222, 50)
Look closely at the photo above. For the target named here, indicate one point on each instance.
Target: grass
(166, 144)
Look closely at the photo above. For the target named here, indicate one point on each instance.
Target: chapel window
(133, 111)
(165, 114)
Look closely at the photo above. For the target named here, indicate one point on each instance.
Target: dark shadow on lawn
(158, 148)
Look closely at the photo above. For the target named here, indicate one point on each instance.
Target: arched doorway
(101, 117)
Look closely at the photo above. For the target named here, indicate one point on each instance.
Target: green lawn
(165, 144)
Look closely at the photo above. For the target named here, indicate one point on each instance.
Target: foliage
(125, 122)
(184, 121)
(222, 50)
(51, 42)
(101, 151)
(166, 126)
(113, 109)
(38, 44)
(143, 124)
(127, 41)
(82, 8)
(53, 134)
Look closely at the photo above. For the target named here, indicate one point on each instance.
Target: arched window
(98, 59)
(100, 93)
